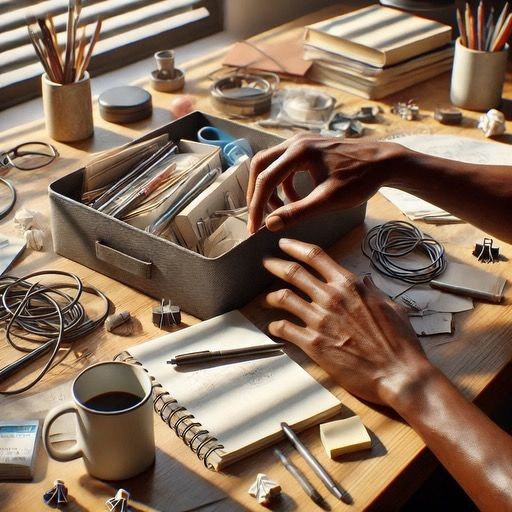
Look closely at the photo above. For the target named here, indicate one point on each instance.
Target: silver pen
(204, 356)
(301, 478)
(320, 471)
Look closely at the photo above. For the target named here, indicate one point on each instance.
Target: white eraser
(344, 436)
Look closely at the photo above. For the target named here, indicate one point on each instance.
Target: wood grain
(379, 479)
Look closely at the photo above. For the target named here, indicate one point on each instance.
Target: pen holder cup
(477, 77)
(68, 109)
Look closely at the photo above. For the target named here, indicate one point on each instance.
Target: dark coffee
(112, 401)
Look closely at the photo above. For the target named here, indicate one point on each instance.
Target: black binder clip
(57, 496)
(448, 115)
(166, 314)
(486, 253)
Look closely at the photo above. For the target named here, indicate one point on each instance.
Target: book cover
(372, 89)
(377, 35)
(356, 68)
(229, 409)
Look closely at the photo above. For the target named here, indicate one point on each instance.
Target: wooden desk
(382, 478)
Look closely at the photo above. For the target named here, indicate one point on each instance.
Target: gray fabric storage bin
(202, 287)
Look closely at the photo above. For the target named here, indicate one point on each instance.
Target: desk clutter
(212, 407)
(178, 232)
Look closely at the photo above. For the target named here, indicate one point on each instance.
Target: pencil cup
(477, 77)
(68, 109)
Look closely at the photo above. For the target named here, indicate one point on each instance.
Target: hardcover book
(377, 35)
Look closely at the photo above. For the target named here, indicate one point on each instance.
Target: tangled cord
(385, 244)
(45, 316)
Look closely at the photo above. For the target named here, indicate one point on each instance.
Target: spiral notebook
(227, 410)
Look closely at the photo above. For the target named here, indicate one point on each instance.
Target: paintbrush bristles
(43, 36)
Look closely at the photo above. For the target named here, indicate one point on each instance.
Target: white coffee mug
(114, 413)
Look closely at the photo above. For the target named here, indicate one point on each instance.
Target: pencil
(489, 29)
(469, 31)
(462, 29)
(480, 16)
(503, 35)
(499, 25)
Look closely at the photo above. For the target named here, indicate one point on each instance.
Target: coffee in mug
(114, 412)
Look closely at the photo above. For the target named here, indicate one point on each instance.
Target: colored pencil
(480, 18)
(504, 34)
(489, 29)
(462, 29)
(499, 25)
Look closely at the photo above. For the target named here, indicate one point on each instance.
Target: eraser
(344, 436)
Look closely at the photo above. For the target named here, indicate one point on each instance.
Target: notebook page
(241, 402)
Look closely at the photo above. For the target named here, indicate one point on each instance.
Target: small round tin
(125, 104)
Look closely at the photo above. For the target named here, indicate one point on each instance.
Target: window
(131, 30)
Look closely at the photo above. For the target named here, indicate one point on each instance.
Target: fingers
(316, 258)
(289, 331)
(296, 275)
(260, 162)
(289, 301)
(294, 212)
(265, 184)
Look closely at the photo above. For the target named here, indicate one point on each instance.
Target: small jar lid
(125, 104)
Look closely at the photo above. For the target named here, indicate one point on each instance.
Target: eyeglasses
(28, 156)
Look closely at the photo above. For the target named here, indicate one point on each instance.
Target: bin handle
(123, 261)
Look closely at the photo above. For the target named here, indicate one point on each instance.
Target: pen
(320, 471)
(186, 192)
(300, 477)
(209, 355)
(143, 192)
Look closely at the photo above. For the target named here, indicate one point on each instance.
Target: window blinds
(131, 30)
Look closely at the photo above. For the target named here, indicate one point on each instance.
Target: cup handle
(63, 455)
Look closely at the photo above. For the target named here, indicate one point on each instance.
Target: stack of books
(376, 51)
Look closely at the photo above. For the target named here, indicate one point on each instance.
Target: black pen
(320, 471)
(300, 477)
(204, 356)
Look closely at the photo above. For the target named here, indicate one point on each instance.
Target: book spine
(206, 447)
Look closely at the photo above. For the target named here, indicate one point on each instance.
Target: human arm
(347, 173)
(366, 343)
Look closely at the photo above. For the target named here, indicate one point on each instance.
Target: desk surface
(381, 478)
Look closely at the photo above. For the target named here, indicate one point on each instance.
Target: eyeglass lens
(32, 155)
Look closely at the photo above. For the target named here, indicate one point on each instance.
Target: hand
(362, 338)
(345, 174)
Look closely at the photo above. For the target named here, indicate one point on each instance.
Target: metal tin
(125, 104)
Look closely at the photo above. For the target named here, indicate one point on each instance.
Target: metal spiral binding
(200, 442)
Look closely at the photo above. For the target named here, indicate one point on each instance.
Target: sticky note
(344, 436)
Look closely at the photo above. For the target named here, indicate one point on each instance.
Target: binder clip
(57, 496)
(368, 114)
(408, 111)
(448, 115)
(264, 489)
(346, 125)
(486, 253)
(166, 315)
(119, 503)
